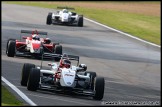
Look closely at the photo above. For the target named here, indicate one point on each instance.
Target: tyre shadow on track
(65, 94)
(114, 91)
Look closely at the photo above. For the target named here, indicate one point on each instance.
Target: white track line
(21, 94)
(123, 33)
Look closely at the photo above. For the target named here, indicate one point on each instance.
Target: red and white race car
(66, 76)
(32, 45)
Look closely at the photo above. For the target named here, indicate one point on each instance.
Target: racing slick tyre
(58, 50)
(10, 49)
(92, 77)
(99, 85)
(7, 45)
(49, 19)
(25, 73)
(80, 21)
(33, 81)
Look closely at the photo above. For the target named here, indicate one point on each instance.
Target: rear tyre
(25, 73)
(34, 78)
(80, 21)
(58, 50)
(92, 77)
(11, 45)
(49, 19)
(99, 88)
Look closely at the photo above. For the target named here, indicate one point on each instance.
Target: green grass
(143, 26)
(7, 99)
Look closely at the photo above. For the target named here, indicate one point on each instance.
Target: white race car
(64, 16)
(64, 77)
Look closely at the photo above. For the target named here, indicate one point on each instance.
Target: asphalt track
(131, 68)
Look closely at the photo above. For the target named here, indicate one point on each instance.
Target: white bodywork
(67, 75)
(64, 16)
(30, 44)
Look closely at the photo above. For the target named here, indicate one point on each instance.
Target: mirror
(49, 64)
(84, 66)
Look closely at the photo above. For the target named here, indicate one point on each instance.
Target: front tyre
(49, 19)
(99, 88)
(7, 44)
(80, 21)
(11, 46)
(25, 73)
(34, 78)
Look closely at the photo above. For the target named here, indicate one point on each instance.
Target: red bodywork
(36, 45)
(20, 45)
(49, 46)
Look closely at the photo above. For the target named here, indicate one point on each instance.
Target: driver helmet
(36, 37)
(65, 63)
(65, 11)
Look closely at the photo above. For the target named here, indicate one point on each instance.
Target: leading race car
(65, 17)
(32, 45)
(64, 77)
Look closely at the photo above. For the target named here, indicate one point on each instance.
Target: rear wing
(34, 32)
(52, 56)
(73, 57)
(69, 8)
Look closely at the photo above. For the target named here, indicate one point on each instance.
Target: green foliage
(8, 99)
